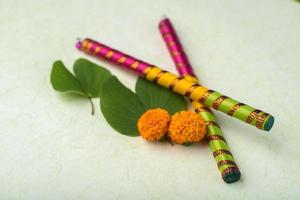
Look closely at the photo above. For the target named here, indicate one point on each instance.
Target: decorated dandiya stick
(216, 141)
(176, 50)
(183, 86)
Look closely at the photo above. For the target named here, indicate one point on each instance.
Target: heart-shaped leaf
(120, 107)
(62, 80)
(91, 76)
(155, 96)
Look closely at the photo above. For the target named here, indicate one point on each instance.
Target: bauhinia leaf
(62, 80)
(87, 81)
(154, 96)
(120, 107)
(91, 76)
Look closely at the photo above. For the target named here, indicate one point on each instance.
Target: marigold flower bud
(153, 124)
(186, 127)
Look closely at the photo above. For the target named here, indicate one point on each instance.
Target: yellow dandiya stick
(216, 141)
(188, 88)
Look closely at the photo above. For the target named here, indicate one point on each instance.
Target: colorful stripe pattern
(218, 145)
(175, 48)
(102, 51)
(215, 138)
(166, 79)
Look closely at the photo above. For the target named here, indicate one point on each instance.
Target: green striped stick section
(238, 110)
(218, 145)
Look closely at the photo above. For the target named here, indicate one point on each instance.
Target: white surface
(52, 148)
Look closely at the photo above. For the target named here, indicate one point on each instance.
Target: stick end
(78, 44)
(269, 123)
(232, 177)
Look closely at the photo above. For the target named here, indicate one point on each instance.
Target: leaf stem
(92, 105)
(169, 140)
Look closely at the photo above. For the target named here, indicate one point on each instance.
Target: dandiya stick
(216, 141)
(188, 88)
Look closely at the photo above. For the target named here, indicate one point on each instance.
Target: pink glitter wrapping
(175, 48)
(113, 55)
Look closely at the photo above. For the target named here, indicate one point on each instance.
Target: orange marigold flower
(186, 127)
(153, 124)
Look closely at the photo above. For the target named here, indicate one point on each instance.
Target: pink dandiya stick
(102, 51)
(218, 145)
(188, 88)
(175, 48)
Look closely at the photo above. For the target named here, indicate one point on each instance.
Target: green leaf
(91, 76)
(120, 107)
(62, 80)
(155, 96)
(88, 79)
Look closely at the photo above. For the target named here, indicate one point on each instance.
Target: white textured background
(52, 148)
